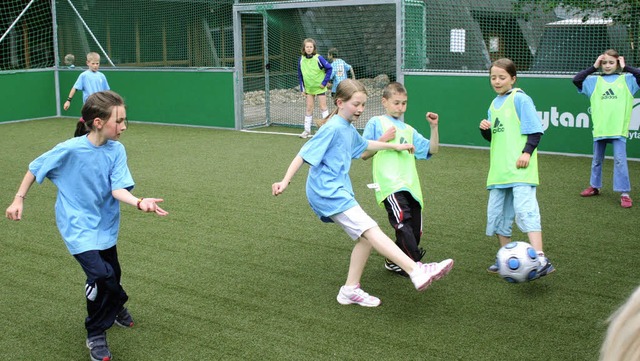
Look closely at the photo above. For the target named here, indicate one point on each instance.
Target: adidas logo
(403, 140)
(497, 126)
(609, 94)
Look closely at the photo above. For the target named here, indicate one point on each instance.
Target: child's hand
(485, 124)
(150, 205)
(523, 160)
(390, 134)
(278, 187)
(432, 118)
(14, 211)
(598, 61)
(622, 62)
(410, 147)
(66, 105)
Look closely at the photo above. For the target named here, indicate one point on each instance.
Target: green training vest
(507, 144)
(312, 75)
(395, 171)
(611, 106)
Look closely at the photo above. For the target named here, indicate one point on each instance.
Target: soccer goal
(268, 43)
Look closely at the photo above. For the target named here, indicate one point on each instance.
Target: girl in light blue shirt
(92, 177)
(330, 194)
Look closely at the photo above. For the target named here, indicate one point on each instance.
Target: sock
(307, 123)
(325, 113)
(543, 259)
(624, 194)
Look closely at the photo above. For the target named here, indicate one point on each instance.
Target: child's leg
(322, 100)
(387, 248)
(400, 208)
(599, 147)
(308, 115)
(359, 256)
(105, 296)
(620, 167)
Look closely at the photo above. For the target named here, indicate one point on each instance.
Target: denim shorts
(517, 203)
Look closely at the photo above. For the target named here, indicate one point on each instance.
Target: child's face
(93, 64)
(501, 80)
(309, 48)
(396, 105)
(329, 57)
(609, 64)
(117, 123)
(352, 109)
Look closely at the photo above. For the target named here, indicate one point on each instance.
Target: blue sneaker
(124, 319)
(98, 349)
(546, 269)
(493, 269)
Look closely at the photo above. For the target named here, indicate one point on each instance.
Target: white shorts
(354, 221)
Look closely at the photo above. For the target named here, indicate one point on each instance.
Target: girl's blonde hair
(344, 92)
(622, 341)
(315, 47)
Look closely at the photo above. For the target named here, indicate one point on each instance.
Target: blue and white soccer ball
(518, 262)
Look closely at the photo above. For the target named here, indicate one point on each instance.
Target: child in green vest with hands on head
(395, 175)
(314, 73)
(514, 129)
(611, 96)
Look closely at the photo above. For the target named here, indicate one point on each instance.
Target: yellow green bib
(611, 106)
(312, 75)
(506, 147)
(395, 171)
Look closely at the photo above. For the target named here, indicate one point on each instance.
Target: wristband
(139, 201)
(69, 99)
(21, 196)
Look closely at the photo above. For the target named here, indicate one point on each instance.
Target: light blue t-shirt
(87, 214)
(589, 86)
(329, 153)
(530, 122)
(339, 72)
(90, 82)
(373, 131)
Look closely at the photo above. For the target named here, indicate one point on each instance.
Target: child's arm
(485, 129)
(434, 140)
(143, 204)
(387, 136)
(629, 69)
(14, 211)
(376, 146)
(68, 102)
(279, 187)
(326, 66)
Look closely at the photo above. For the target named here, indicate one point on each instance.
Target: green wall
(27, 95)
(202, 98)
(462, 102)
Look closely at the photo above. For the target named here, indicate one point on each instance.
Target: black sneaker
(124, 319)
(493, 269)
(422, 253)
(394, 268)
(98, 349)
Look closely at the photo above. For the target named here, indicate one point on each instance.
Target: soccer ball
(518, 262)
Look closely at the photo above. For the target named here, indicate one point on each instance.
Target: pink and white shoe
(356, 295)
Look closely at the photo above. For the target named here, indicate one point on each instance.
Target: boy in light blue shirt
(90, 81)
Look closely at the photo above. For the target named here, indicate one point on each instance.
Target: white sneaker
(421, 277)
(305, 134)
(440, 269)
(356, 295)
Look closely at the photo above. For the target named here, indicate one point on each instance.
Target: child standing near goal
(611, 96)
(339, 70)
(89, 81)
(514, 130)
(331, 196)
(395, 175)
(314, 73)
(92, 178)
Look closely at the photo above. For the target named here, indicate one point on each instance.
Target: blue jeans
(620, 167)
